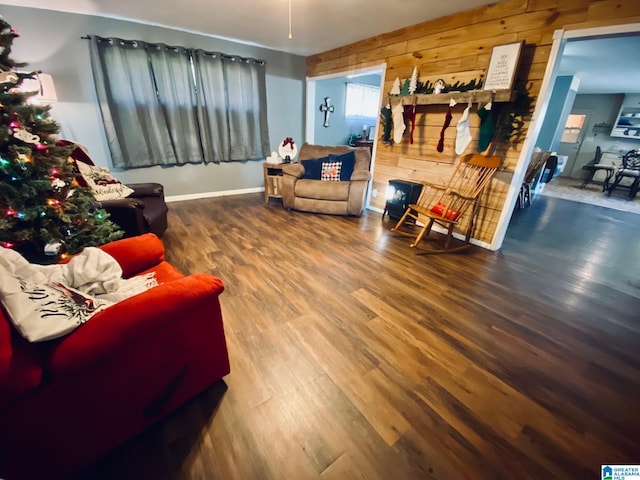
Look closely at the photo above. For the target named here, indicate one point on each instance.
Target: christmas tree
(44, 214)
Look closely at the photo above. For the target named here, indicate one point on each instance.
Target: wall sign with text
(503, 66)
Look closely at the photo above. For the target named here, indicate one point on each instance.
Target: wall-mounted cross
(327, 109)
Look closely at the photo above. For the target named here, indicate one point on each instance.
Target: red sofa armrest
(136, 254)
(20, 369)
(125, 323)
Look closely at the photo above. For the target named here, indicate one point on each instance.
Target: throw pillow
(331, 171)
(443, 211)
(348, 161)
(313, 168)
(103, 185)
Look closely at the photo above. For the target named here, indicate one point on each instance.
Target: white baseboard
(224, 193)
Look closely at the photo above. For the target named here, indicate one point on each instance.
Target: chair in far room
(593, 167)
(628, 177)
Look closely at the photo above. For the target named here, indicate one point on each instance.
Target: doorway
(338, 127)
(621, 65)
(316, 133)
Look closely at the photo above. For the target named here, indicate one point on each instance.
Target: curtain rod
(222, 55)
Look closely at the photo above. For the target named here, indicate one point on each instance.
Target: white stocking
(397, 113)
(463, 134)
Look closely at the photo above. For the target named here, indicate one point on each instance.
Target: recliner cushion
(317, 189)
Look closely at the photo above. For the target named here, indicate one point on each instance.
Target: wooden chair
(446, 205)
(537, 163)
(631, 171)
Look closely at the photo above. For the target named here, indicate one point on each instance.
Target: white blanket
(48, 301)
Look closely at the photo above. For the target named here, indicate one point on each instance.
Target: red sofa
(67, 402)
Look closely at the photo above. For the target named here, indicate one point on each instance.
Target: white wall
(605, 109)
(50, 41)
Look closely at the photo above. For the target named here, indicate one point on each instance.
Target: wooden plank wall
(455, 48)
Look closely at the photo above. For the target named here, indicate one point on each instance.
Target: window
(362, 101)
(166, 105)
(572, 128)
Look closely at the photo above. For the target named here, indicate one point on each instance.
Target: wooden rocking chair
(447, 204)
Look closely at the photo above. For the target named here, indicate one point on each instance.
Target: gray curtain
(232, 102)
(165, 105)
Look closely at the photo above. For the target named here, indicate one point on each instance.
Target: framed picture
(372, 133)
(503, 66)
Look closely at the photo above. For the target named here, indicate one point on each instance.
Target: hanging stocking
(397, 113)
(410, 115)
(447, 122)
(487, 128)
(463, 134)
(385, 112)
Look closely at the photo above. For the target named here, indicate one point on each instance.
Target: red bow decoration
(288, 140)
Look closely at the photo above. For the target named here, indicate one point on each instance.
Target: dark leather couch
(144, 211)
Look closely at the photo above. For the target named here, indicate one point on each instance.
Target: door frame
(312, 110)
(560, 38)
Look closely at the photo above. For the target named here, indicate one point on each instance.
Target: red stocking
(410, 115)
(447, 122)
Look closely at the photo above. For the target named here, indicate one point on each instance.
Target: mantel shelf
(460, 97)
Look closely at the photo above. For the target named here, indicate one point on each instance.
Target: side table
(272, 178)
(364, 143)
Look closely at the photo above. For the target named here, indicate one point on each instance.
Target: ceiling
(603, 65)
(317, 25)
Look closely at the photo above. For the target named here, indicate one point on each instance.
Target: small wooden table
(364, 143)
(272, 178)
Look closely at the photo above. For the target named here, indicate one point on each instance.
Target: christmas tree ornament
(52, 248)
(413, 84)
(8, 77)
(463, 133)
(395, 88)
(58, 184)
(405, 88)
(26, 136)
(439, 86)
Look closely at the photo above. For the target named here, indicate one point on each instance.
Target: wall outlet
(374, 193)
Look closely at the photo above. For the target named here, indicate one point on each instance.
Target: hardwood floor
(352, 357)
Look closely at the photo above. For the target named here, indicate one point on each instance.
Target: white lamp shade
(42, 83)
